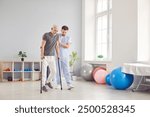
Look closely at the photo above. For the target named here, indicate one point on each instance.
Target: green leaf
(73, 58)
(100, 56)
(22, 54)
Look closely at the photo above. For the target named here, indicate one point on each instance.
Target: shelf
(7, 71)
(7, 65)
(17, 66)
(28, 66)
(18, 76)
(27, 75)
(37, 66)
(8, 76)
(20, 71)
(4, 80)
(36, 71)
(17, 71)
(27, 79)
(12, 71)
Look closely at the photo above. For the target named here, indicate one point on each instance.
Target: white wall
(88, 32)
(144, 30)
(124, 31)
(23, 22)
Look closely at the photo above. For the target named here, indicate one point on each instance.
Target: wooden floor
(83, 90)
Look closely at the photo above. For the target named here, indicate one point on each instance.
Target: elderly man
(50, 43)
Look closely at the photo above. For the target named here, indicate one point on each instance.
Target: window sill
(99, 62)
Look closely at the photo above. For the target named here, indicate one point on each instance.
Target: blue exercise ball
(120, 80)
(107, 79)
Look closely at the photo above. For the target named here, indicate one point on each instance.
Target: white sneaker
(57, 87)
(70, 86)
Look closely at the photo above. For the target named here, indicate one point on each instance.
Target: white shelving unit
(20, 71)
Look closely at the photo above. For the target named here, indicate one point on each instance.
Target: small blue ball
(107, 79)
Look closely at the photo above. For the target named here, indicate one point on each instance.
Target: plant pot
(74, 78)
(22, 59)
(71, 69)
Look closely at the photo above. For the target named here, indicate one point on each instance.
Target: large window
(103, 29)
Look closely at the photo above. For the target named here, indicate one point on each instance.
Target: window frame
(107, 13)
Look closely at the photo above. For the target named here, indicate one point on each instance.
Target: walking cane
(59, 73)
(41, 80)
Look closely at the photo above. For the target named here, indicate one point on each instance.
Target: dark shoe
(50, 85)
(44, 89)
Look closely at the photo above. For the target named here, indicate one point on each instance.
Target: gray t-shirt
(49, 49)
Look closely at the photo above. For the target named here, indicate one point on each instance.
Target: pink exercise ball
(97, 68)
(99, 75)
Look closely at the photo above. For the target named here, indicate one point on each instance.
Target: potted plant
(22, 55)
(73, 58)
(100, 56)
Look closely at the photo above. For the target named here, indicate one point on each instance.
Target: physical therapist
(64, 46)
